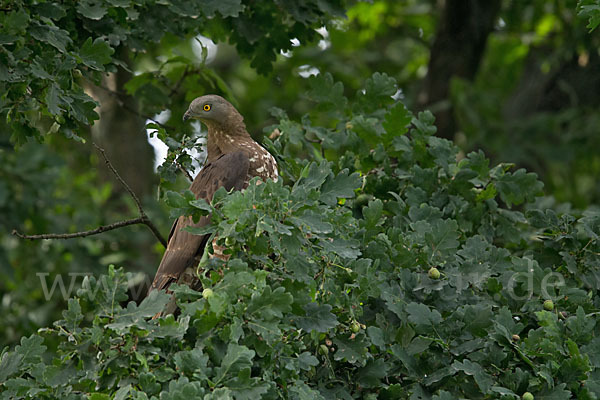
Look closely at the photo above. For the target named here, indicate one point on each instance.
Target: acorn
(434, 273)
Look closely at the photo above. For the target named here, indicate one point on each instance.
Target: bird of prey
(233, 159)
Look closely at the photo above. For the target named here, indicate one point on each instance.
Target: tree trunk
(121, 132)
(456, 52)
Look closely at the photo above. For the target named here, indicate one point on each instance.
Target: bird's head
(212, 109)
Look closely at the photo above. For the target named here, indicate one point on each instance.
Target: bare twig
(126, 107)
(139, 114)
(142, 219)
(175, 88)
(125, 185)
(185, 172)
(100, 229)
(145, 220)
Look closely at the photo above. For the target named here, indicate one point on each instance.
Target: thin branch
(125, 185)
(126, 107)
(100, 229)
(139, 114)
(175, 88)
(146, 221)
(184, 171)
(142, 219)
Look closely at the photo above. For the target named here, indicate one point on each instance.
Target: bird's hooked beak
(187, 115)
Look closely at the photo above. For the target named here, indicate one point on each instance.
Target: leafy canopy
(327, 293)
(48, 50)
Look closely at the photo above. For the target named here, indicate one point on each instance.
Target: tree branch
(142, 219)
(100, 229)
(175, 88)
(184, 171)
(125, 185)
(130, 109)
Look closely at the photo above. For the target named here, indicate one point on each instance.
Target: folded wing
(184, 249)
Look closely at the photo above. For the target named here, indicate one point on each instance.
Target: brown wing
(228, 171)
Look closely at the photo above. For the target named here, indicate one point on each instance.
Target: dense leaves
(49, 51)
(388, 263)
(56, 56)
(590, 9)
(327, 293)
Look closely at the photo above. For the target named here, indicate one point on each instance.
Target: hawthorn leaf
(420, 314)
(191, 361)
(379, 89)
(326, 92)
(341, 186)
(558, 392)
(518, 187)
(53, 99)
(96, 54)
(122, 393)
(227, 8)
(397, 120)
(307, 360)
(301, 391)
(52, 35)
(443, 237)
(370, 375)
(154, 303)
(10, 364)
(482, 378)
(92, 9)
(312, 222)
(237, 358)
(318, 317)
(270, 304)
(352, 350)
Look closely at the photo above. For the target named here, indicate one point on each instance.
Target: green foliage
(49, 51)
(40, 192)
(328, 292)
(331, 291)
(496, 112)
(590, 9)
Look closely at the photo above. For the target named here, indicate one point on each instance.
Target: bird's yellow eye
(206, 107)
